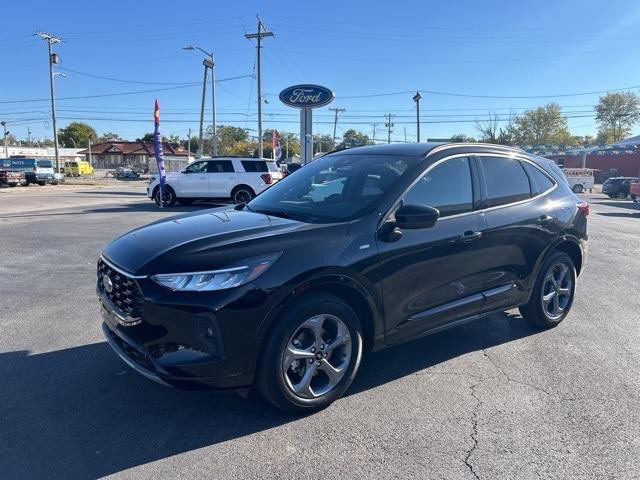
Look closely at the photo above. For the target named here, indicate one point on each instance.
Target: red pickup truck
(12, 178)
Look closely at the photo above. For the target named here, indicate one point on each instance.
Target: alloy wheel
(557, 289)
(242, 196)
(317, 356)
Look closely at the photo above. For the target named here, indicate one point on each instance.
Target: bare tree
(488, 129)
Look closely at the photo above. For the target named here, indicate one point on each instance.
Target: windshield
(335, 188)
(45, 164)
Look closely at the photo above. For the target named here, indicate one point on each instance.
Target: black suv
(618, 187)
(359, 250)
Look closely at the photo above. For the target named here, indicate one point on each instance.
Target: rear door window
(251, 166)
(219, 166)
(447, 187)
(506, 180)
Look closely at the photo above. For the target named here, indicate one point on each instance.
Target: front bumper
(185, 340)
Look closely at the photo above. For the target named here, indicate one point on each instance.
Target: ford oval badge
(306, 96)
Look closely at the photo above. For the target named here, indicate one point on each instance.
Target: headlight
(230, 277)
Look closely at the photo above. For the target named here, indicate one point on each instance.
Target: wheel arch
(363, 302)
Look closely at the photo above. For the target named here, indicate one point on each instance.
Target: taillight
(266, 178)
(584, 208)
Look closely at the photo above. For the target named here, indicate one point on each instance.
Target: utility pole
(6, 149)
(335, 122)
(189, 145)
(389, 126)
(405, 134)
(53, 58)
(374, 132)
(214, 138)
(259, 35)
(29, 135)
(416, 98)
(90, 156)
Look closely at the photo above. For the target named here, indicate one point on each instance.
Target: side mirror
(416, 216)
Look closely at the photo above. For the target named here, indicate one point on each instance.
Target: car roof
(420, 149)
(228, 157)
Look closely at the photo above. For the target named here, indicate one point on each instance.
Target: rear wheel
(553, 293)
(312, 355)
(168, 197)
(578, 188)
(242, 194)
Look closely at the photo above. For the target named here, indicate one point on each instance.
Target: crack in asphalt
(510, 379)
(474, 432)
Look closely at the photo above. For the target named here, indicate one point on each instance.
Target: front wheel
(621, 196)
(168, 197)
(578, 188)
(312, 355)
(553, 293)
(42, 184)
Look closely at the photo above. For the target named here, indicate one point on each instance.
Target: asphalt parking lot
(493, 399)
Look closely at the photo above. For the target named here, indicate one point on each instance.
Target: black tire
(169, 197)
(535, 311)
(185, 201)
(242, 194)
(578, 188)
(270, 374)
(621, 196)
(42, 184)
(12, 185)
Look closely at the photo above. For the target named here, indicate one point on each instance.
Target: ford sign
(306, 96)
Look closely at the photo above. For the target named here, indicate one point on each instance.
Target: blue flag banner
(157, 147)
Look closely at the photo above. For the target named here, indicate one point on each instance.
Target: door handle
(469, 236)
(544, 218)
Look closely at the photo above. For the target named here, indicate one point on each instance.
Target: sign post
(306, 98)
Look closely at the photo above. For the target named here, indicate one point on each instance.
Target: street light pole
(416, 98)
(200, 136)
(53, 58)
(208, 63)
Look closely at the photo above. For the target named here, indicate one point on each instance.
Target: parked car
(77, 169)
(237, 178)
(287, 291)
(123, 172)
(12, 178)
(35, 170)
(289, 168)
(618, 187)
(634, 190)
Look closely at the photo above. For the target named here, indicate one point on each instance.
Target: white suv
(239, 179)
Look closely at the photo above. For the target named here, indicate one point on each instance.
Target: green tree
(543, 125)
(147, 138)
(605, 136)
(461, 137)
(76, 134)
(617, 113)
(353, 138)
(109, 137)
(228, 136)
(322, 143)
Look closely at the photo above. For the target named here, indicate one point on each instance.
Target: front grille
(124, 294)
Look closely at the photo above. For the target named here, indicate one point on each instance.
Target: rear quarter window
(252, 166)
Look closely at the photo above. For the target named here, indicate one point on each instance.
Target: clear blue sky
(491, 48)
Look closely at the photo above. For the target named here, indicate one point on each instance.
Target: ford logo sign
(306, 96)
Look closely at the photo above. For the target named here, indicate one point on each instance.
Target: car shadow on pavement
(620, 204)
(81, 413)
(152, 207)
(126, 193)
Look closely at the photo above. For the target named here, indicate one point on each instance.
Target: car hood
(207, 240)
